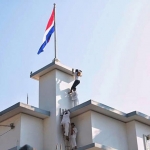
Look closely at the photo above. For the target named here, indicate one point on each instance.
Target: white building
(99, 127)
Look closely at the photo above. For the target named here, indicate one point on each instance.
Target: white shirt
(74, 95)
(74, 132)
(76, 76)
(66, 118)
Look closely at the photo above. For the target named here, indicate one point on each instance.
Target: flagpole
(54, 32)
(27, 98)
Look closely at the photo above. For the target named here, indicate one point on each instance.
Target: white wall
(47, 101)
(83, 125)
(53, 95)
(140, 130)
(31, 131)
(131, 135)
(108, 131)
(47, 91)
(10, 139)
(135, 131)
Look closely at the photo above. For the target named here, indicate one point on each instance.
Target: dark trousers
(76, 82)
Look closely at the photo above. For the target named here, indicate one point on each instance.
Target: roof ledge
(54, 65)
(96, 146)
(23, 108)
(110, 112)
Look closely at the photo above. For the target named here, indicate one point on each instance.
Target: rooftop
(54, 65)
(110, 112)
(75, 111)
(23, 108)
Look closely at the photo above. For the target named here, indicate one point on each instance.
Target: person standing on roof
(73, 136)
(66, 123)
(74, 97)
(77, 74)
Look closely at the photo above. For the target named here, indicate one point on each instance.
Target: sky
(108, 40)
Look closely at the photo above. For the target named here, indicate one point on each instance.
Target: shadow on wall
(63, 98)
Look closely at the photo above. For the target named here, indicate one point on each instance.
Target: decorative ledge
(96, 146)
(54, 65)
(110, 112)
(23, 108)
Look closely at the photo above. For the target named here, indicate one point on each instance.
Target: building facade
(99, 127)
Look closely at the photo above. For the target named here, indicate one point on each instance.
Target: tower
(55, 80)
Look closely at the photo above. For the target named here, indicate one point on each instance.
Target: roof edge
(110, 112)
(96, 145)
(54, 65)
(23, 108)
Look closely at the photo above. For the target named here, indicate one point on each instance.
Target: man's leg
(63, 129)
(67, 130)
(76, 82)
(74, 144)
(71, 144)
(75, 102)
(72, 103)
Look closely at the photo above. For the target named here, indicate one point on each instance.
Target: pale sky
(109, 40)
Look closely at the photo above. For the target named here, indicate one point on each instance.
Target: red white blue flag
(50, 28)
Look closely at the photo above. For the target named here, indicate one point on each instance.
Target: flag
(50, 28)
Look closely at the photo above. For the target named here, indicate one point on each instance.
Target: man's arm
(69, 112)
(75, 130)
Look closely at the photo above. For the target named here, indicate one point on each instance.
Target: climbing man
(77, 74)
(74, 97)
(73, 136)
(66, 123)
